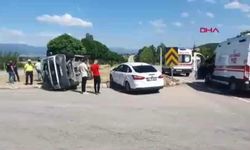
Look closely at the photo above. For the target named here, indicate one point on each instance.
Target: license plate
(151, 79)
(178, 70)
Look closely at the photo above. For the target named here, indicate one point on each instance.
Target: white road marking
(241, 99)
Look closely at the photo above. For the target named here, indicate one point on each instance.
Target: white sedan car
(137, 76)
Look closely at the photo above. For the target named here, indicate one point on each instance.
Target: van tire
(208, 79)
(74, 87)
(196, 76)
(156, 91)
(187, 74)
(111, 82)
(232, 87)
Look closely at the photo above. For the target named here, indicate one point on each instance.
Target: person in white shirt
(84, 73)
(38, 70)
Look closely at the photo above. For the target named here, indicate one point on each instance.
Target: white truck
(185, 65)
(232, 63)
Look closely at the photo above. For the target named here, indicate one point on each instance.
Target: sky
(123, 23)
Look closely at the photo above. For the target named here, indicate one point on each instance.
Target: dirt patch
(169, 81)
(4, 84)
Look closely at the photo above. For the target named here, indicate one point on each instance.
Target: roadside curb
(89, 85)
(175, 84)
(15, 87)
(169, 82)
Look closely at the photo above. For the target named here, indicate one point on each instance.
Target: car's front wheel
(111, 81)
(127, 87)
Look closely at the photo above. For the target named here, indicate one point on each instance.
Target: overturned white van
(61, 73)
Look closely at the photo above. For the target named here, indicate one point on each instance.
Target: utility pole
(161, 58)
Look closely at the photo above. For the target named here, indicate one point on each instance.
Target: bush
(147, 55)
(65, 44)
(97, 50)
(6, 57)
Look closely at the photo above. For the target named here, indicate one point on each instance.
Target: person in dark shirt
(96, 74)
(10, 71)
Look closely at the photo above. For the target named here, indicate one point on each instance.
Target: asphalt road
(186, 117)
(131, 58)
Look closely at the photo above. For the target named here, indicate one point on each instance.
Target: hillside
(122, 51)
(23, 49)
(208, 49)
(209, 45)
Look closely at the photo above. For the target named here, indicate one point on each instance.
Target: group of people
(12, 70)
(89, 72)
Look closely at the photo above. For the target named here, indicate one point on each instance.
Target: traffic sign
(171, 57)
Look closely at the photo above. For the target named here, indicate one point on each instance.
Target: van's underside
(167, 70)
(241, 84)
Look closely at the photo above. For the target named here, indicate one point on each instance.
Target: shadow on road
(217, 89)
(121, 89)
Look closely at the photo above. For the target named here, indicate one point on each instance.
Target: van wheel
(127, 87)
(232, 87)
(187, 74)
(156, 91)
(196, 76)
(74, 87)
(208, 79)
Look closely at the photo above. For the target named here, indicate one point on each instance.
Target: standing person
(38, 70)
(10, 71)
(16, 72)
(84, 73)
(97, 78)
(28, 69)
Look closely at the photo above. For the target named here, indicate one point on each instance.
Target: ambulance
(185, 63)
(232, 63)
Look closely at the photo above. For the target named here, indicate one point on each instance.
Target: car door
(126, 70)
(120, 75)
(116, 74)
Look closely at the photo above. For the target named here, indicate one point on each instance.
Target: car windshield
(144, 69)
(185, 58)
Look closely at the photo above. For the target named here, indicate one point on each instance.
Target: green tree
(97, 50)
(208, 50)
(6, 57)
(65, 44)
(89, 37)
(147, 54)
